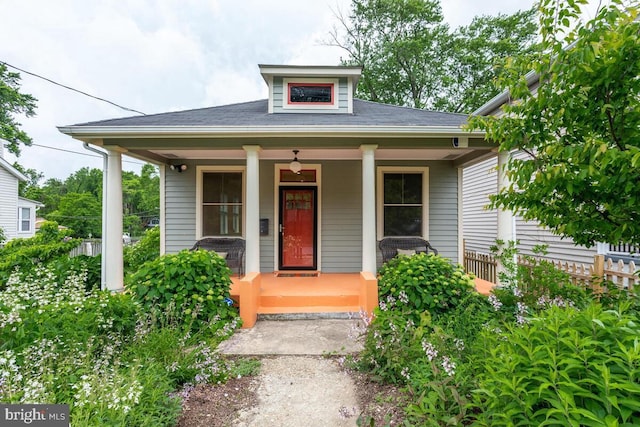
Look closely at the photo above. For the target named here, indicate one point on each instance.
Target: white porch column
(252, 227)
(113, 258)
(506, 225)
(368, 208)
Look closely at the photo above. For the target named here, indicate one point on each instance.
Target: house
(17, 214)
(480, 225)
(311, 178)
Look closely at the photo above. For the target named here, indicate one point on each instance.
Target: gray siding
(180, 209)
(480, 225)
(8, 204)
(443, 209)
(267, 208)
(341, 216)
(279, 94)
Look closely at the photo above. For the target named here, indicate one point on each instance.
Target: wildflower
(403, 298)
(405, 373)
(459, 344)
(448, 365)
(495, 302)
(429, 350)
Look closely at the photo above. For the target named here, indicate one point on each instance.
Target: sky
(162, 55)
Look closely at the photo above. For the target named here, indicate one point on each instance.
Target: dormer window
(310, 93)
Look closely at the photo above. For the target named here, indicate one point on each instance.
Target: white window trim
(276, 211)
(309, 106)
(200, 171)
(381, 170)
(21, 218)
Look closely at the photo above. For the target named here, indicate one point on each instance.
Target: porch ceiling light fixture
(179, 168)
(295, 165)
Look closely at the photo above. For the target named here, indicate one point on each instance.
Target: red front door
(298, 228)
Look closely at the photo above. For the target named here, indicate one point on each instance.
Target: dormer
(310, 89)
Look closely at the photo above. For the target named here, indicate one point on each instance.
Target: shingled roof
(254, 113)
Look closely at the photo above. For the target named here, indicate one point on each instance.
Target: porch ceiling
(320, 154)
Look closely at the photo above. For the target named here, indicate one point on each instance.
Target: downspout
(103, 241)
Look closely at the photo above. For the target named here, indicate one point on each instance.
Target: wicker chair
(233, 248)
(389, 246)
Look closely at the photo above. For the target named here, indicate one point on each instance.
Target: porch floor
(326, 293)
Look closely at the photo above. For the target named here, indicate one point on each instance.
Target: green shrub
(565, 367)
(90, 266)
(424, 282)
(146, 249)
(196, 284)
(48, 244)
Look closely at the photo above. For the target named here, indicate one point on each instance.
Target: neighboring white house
(480, 224)
(17, 214)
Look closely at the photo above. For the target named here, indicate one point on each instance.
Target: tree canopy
(580, 129)
(76, 202)
(410, 56)
(13, 102)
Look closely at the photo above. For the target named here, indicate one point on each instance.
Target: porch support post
(506, 225)
(252, 226)
(114, 270)
(368, 208)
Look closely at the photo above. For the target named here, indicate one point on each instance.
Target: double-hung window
(222, 203)
(24, 220)
(403, 201)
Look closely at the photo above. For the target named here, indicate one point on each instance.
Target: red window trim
(294, 84)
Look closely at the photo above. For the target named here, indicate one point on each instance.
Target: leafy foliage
(100, 353)
(565, 367)
(146, 249)
(580, 127)
(424, 282)
(13, 102)
(81, 212)
(48, 244)
(196, 283)
(411, 58)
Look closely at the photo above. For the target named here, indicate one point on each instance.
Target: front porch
(325, 293)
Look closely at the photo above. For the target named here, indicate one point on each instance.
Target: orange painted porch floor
(327, 293)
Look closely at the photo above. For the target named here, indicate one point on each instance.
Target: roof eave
(502, 98)
(80, 132)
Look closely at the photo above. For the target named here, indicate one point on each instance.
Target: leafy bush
(195, 283)
(424, 282)
(146, 249)
(48, 244)
(100, 354)
(565, 367)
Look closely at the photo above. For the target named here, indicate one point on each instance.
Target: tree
(476, 55)
(33, 177)
(410, 57)
(13, 102)
(80, 212)
(580, 130)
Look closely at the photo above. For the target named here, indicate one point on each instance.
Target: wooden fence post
(598, 274)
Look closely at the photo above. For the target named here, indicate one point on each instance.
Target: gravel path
(305, 391)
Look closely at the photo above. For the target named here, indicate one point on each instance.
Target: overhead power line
(72, 89)
(139, 162)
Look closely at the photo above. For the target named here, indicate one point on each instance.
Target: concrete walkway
(294, 337)
(298, 385)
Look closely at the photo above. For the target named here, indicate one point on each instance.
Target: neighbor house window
(222, 203)
(402, 202)
(24, 220)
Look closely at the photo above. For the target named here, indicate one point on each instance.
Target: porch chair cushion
(230, 248)
(392, 246)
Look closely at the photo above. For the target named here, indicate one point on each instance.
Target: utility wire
(73, 89)
(139, 162)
